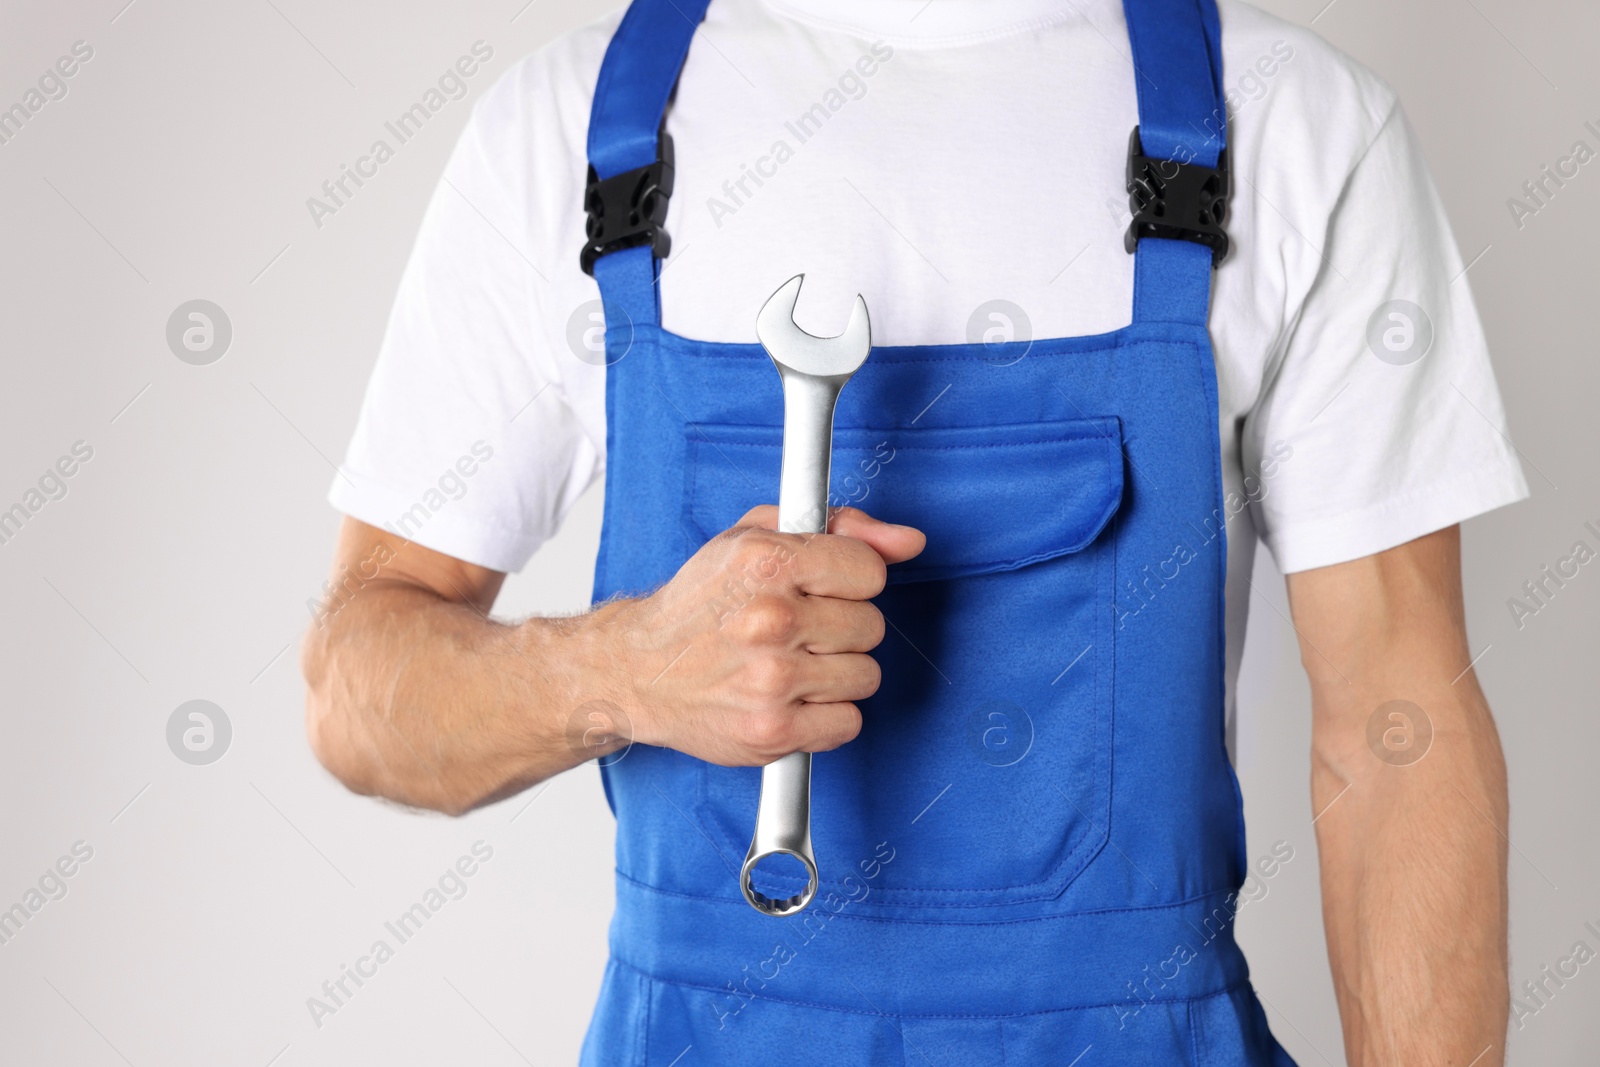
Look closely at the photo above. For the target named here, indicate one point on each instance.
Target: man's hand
(758, 646)
(1411, 809)
(755, 649)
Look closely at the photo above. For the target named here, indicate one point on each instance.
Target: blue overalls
(1032, 851)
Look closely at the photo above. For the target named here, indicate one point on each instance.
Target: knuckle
(842, 726)
(770, 620)
(730, 539)
(761, 556)
(766, 733)
(772, 679)
(753, 544)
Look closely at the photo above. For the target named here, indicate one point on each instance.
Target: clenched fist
(758, 645)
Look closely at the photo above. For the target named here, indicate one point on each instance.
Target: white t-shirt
(976, 154)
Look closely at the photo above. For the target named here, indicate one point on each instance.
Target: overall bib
(1032, 852)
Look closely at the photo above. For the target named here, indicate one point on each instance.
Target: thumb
(893, 542)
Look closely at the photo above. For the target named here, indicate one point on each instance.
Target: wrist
(607, 660)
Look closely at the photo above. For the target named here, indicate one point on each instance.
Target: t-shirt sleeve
(1381, 417)
(466, 443)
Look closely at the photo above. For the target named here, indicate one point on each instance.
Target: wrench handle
(783, 814)
(808, 404)
(783, 827)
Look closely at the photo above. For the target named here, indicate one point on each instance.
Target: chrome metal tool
(814, 370)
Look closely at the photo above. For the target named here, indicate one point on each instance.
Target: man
(1012, 654)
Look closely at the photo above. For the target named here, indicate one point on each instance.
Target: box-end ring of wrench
(813, 370)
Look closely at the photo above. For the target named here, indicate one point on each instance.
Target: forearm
(428, 702)
(1414, 879)
(1411, 809)
(757, 647)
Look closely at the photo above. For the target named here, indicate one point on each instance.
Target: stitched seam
(1092, 841)
(1037, 557)
(903, 360)
(1133, 333)
(1203, 367)
(913, 895)
(644, 1033)
(858, 917)
(1128, 337)
(728, 439)
(1098, 526)
(1199, 997)
(911, 572)
(1045, 888)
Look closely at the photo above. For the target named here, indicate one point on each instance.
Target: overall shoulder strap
(1177, 167)
(630, 159)
(1178, 177)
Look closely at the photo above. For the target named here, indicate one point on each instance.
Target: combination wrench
(813, 370)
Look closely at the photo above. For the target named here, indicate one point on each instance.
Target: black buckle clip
(1177, 201)
(627, 210)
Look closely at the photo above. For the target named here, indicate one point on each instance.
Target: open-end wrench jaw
(813, 371)
(794, 350)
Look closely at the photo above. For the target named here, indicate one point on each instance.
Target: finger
(825, 727)
(829, 625)
(830, 565)
(762, 515)
(894, 543)
(838, 677)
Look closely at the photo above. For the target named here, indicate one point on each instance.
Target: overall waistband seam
(1064, 916)
(1228, 990)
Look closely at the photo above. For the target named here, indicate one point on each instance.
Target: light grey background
(220, 897)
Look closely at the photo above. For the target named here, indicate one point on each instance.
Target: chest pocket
(983, 765)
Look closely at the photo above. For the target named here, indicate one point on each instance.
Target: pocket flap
(989, 498)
